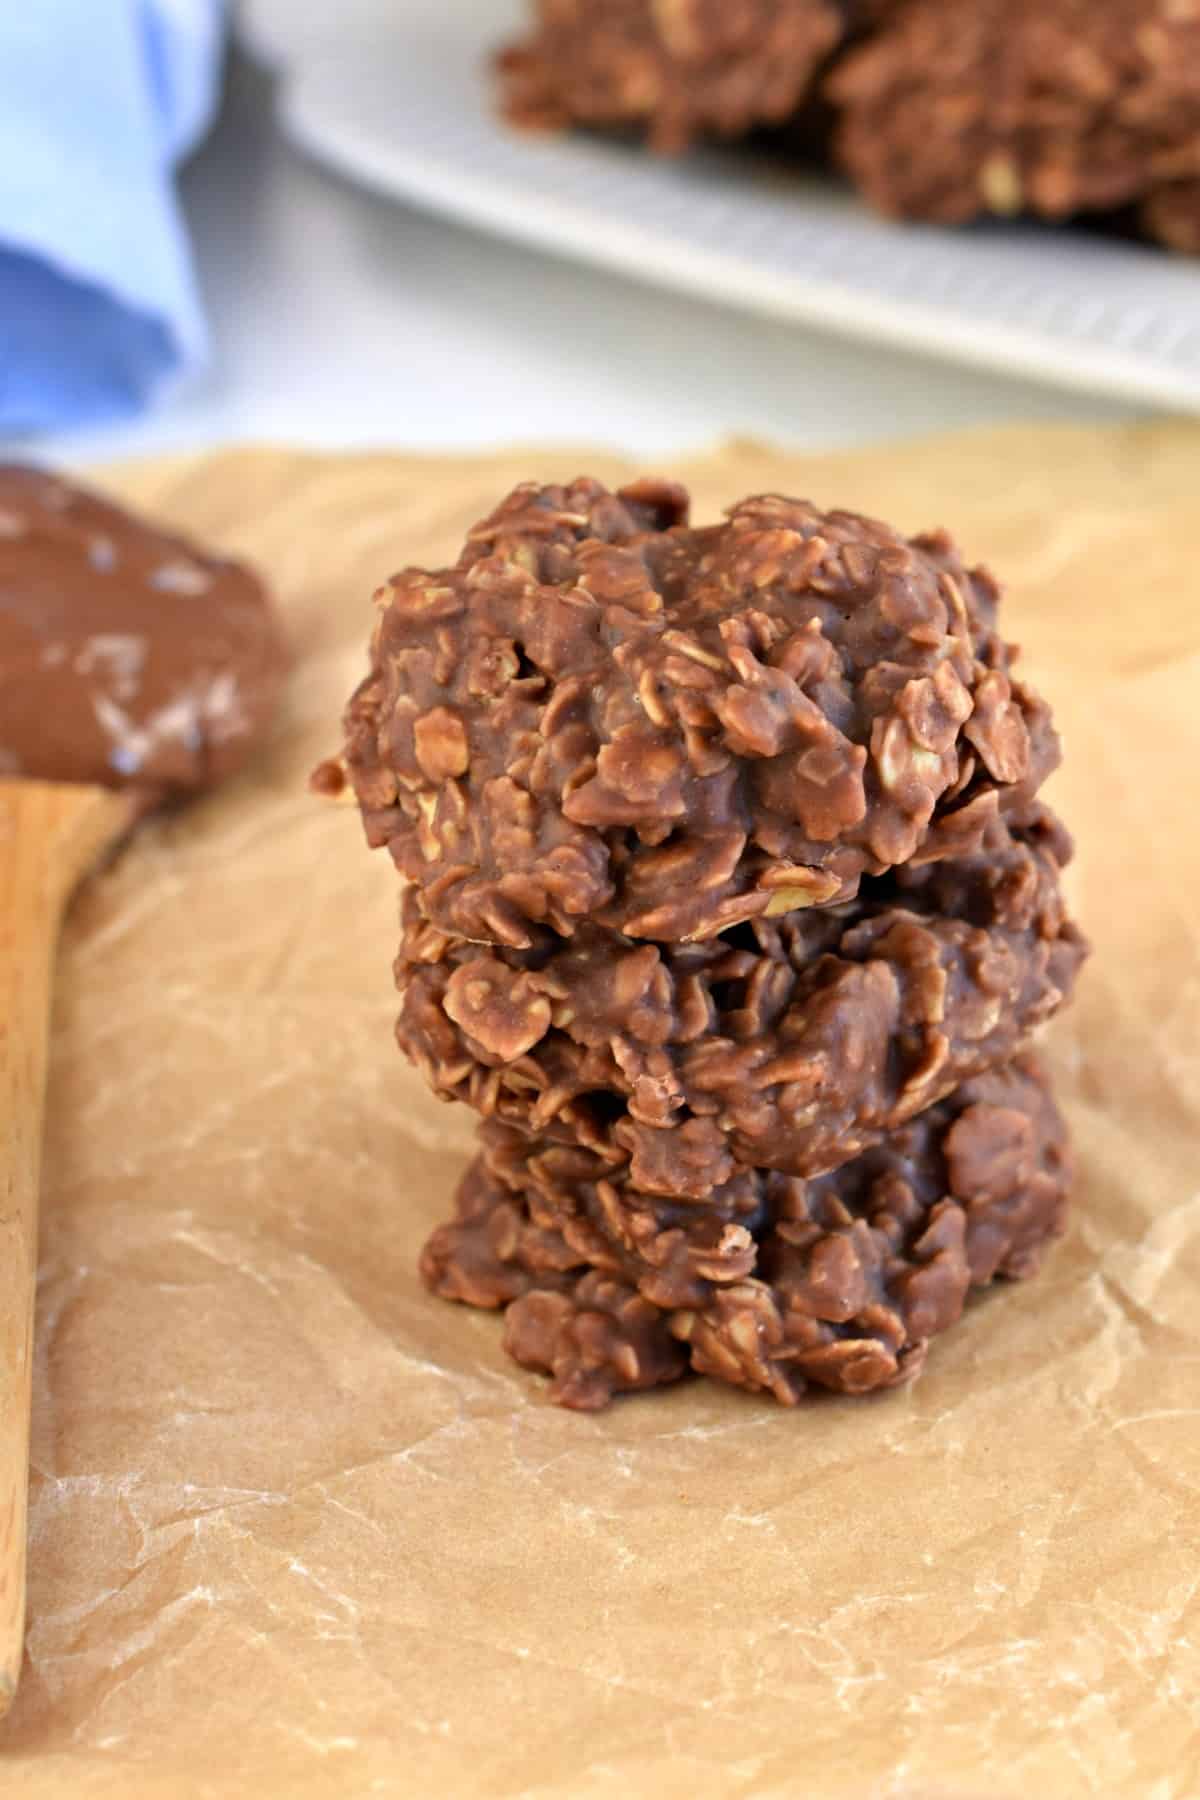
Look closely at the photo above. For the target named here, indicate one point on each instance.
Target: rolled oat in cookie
(674, 70)
(1051, 107)
(603, 714)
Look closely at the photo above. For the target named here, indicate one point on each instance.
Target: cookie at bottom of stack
(838, 1281)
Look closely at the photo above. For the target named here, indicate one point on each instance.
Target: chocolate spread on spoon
(128, 656)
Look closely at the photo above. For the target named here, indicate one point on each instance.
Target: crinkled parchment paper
(299, 1530)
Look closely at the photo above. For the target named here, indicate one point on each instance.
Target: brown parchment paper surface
(300, 1530)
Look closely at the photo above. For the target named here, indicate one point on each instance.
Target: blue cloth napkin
(98, 303)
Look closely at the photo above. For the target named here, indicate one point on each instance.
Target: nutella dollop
(127, 654)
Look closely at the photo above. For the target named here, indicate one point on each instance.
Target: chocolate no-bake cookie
(774, 1282)
(789, 1044)
(1053, 107)
(601, 713)
(731, 906)
(675, 70)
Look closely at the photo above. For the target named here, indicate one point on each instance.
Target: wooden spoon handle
(49, 835)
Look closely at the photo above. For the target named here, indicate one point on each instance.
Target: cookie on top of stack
(731, 905)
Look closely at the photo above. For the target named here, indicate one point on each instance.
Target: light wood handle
(49, 836)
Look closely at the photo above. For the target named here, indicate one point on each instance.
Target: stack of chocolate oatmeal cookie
(731, 904)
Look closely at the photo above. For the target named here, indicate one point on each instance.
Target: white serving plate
(394, 94)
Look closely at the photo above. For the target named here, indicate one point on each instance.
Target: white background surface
(343, 320)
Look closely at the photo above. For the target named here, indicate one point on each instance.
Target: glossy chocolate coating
(128, 656)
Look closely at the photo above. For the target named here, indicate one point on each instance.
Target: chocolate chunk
(951, 111)
(774, 1282)
(602, 714)
(127, 655)
(674, 69)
